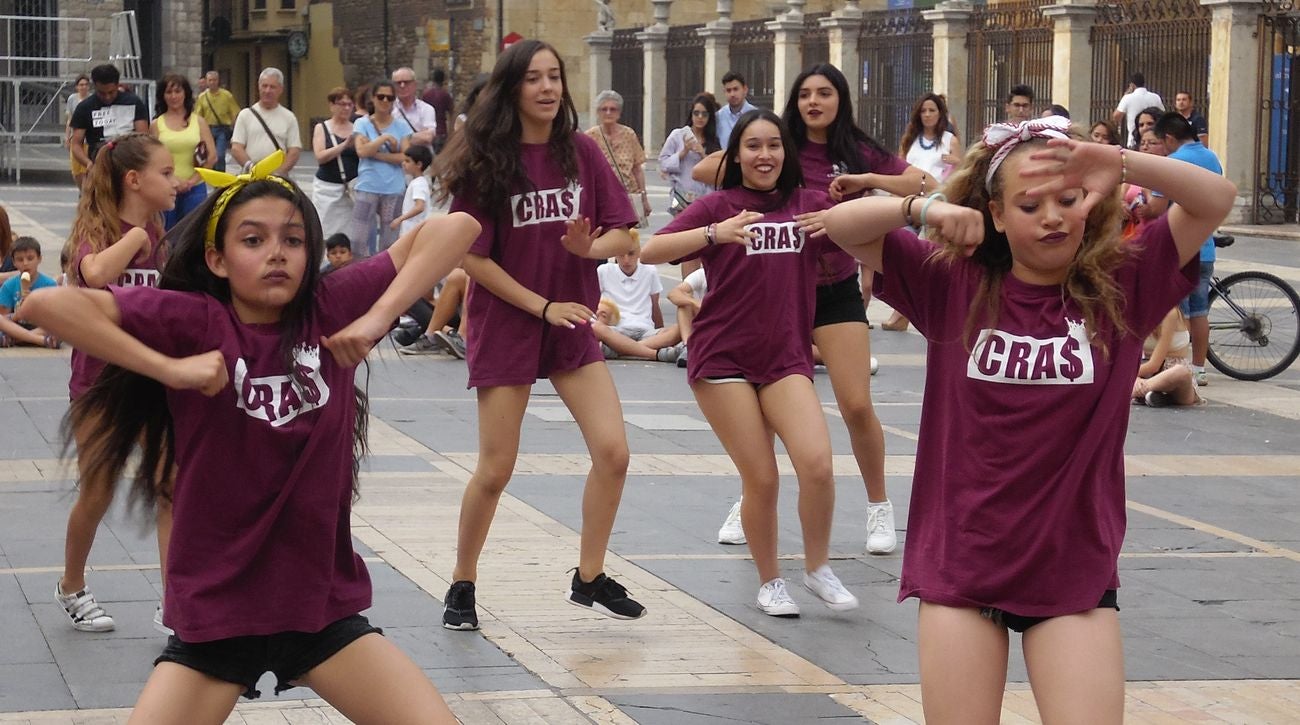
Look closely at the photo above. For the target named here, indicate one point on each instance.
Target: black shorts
(290, 655)
(840, 302)
(1018, 623)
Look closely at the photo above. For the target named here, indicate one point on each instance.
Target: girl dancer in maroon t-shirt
(1034, 309)
(750, 365)
(242, 371)
(115, 240)
(547, 200)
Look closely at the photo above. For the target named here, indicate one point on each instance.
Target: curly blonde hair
(1089, 280)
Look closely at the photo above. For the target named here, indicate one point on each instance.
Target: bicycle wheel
(1254, 325)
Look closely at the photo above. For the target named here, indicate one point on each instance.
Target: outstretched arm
(421, 257)
(676, 245)
(580, 239)
(91, 321)
(859, 225)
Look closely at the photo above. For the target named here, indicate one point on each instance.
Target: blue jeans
(221, 135)
(185, 203)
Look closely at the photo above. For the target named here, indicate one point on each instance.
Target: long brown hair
(1089, 279)
(98, 221)
(6, 234)
(483, 163)
(915, 127)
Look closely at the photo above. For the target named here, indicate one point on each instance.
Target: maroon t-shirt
(511, 346)
(837, 265)
(757, 321)
(143, 271)
(1018, 493)
(261, 540)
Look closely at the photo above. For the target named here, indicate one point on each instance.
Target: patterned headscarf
(1005, 137)
(231, 184)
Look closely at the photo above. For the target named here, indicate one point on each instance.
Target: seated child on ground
(27, 261)
(634, 289)
(1165, 376)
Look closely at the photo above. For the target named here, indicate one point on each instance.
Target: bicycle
(1254, 323)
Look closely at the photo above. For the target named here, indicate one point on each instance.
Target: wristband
(907, 209)
(710, 234)
(928, 202)
(544, 308)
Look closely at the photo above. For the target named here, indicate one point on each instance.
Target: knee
(818, 473)
(491, 477)
(611, 459)
(857, 410)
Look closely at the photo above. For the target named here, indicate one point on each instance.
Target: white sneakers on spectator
(774, 599)
(828, 588)
(881, 536)
(732, 532)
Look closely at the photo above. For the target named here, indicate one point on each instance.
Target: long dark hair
(710, 128)
(124, 409)
(843, 135)
(483, 164)
(173, 79)
(1136, 137)
(791, 176)
(914, 126)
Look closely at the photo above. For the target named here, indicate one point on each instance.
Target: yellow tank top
(181, 145)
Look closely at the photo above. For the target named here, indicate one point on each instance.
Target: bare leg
(734, 413)
(685, 317)
(453, 291)
(94, 495)
(372, 681)
(1076, 668)
(177, 694)
(666, 337)
(622, 345)
(791, 407)
(846, 350)
(21, 334)
(500, 414)
(963, 660)
(591, 397)
(1199, 327)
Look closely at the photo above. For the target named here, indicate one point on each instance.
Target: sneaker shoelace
(876, 520)
(779, 593)
(612, 590)
(733, 516)
(832, 583)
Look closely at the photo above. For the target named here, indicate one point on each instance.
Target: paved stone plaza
(1210, 569)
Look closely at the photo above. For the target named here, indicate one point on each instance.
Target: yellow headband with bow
(231, 184)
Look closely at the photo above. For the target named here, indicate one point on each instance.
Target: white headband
(1005, 137)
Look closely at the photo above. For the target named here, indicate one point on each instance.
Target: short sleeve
(482, 246)
(422, 190)
(9, 294)
(883, 162)
(141, 111)
(348, 293)
(1158, 282)
(294, 139)
(696, 281)
(240, 133)
(656, 284)
(171, 322)
(914, 284)
(364, 127)
(81, 115)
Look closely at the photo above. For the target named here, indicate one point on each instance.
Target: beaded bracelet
(928, 202)
(1123, 166)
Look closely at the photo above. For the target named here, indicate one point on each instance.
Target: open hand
(579, 236)
(205, 373)
(733, 231)
(812, 223)
(1069, 164)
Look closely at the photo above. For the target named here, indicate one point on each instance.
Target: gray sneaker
(422, 346)
(669, 354)
(454, 343)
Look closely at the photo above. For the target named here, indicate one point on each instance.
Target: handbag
(642, 222)
(677, 202)
(200, 155)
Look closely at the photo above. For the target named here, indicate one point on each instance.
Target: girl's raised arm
(676, 245)
(421, 257)
(859, 225)
(709, 169)
(105, 266)
(91, 322)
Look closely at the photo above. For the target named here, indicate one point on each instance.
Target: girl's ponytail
(98, 221)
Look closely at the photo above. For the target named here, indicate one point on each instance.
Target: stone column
(842, 37)
(600, 73)
(788, 54)
(717, 48)
(1234, 95)
(951, 21)
(654, 41)
(1072, 54)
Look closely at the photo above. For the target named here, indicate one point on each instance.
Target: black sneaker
(604, 595)
(458, 608)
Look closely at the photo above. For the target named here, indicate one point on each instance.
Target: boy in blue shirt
(27, 260)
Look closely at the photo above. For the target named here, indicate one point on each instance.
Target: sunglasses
(383, 97)
(700, 114)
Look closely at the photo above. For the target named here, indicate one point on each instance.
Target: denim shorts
(1019, 623)
(1197, 303)
(290, 655)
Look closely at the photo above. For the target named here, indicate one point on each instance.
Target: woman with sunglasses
(381, 140)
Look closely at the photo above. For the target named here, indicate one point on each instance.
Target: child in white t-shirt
(419, 192)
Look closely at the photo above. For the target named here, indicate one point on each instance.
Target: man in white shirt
(254, 139)
(421, 116)
(638, 331)
(1134, 101)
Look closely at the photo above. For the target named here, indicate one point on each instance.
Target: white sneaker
(158, 622)
(875, 365)
(774, 599)
(828, 588)
(83, 610)
(881, 537)
(732, 532)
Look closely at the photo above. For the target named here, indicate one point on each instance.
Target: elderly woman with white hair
(623, 151)
(266, 127)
